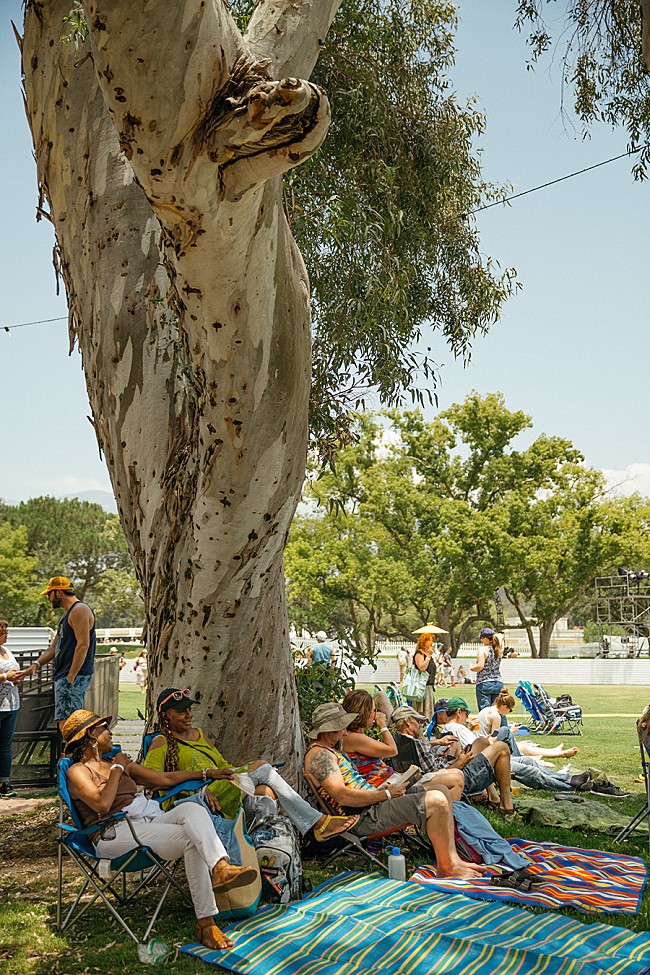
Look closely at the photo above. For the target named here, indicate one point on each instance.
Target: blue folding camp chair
(536, 718)
(644, 811)
(561, 716)
(106, 880)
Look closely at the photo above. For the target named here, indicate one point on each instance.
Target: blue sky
(570, 348)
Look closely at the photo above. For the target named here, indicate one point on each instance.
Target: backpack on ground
(278, 853)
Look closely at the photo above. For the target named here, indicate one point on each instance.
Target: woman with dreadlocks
(101, 787)
(182, 746)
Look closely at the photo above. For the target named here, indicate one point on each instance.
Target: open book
(412, 775)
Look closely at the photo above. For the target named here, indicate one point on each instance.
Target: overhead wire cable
(487, 206)
(560, 179)
(41, 321)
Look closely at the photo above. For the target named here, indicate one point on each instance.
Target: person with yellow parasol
(424, 662)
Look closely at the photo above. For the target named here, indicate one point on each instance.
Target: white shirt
(485, 718)
(9, 696)
(461, 731)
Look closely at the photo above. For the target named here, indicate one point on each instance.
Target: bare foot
(211, 936)
(330, 826)
(568, 752)
(461, 870)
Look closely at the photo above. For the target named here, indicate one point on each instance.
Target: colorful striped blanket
(588, 880)
(360, 924)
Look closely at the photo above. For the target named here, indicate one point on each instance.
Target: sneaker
(6, 792)
(581, 782)
(610, 790)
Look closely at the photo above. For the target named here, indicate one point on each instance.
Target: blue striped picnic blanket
(587, 880)
(361, 924)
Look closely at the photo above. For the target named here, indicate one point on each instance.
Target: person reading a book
(368, 755)
(333, 776)
(182, 747)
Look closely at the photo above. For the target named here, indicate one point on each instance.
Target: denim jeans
(302, 815)
(506, 734)
(7, 727)
(487, 692)
(528, 771)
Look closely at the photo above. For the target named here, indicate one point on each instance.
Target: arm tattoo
(322, 765)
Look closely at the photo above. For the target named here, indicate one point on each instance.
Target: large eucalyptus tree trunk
(159, 146)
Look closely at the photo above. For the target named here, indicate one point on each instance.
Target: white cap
(321, 635)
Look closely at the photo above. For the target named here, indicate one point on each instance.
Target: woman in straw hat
(100, 788)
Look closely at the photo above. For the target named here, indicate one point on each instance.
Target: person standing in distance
(72, 649)
(321, 652)
(487, 668)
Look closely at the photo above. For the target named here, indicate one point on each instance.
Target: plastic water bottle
(396, 864)
(152, 952)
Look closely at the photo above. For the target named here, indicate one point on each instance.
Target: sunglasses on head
(175, 696)
(101, 728)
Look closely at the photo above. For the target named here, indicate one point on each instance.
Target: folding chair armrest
(87, 830)
(194, 785)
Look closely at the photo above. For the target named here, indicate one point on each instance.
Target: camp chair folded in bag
(104, 879)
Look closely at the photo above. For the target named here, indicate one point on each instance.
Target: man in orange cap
(72, 649)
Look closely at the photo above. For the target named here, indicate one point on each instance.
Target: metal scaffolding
(624, 600)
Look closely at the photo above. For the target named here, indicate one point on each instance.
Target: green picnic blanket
(590, 815)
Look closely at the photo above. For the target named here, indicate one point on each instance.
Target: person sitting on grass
(479, 767)
(102, 787)
(332, 775)
(368, 755)
(182, 746)
(493, 718)
(525, 769)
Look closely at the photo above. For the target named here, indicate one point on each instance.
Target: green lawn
(29, 945)
(132, 700)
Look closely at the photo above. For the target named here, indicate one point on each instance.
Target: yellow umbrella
(430, 628)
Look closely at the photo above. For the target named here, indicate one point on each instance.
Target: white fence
(21, 638)
(622, 672)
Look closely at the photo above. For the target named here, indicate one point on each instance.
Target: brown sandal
(211, 936)
(226, 877)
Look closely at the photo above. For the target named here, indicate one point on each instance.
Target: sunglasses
(175, 696)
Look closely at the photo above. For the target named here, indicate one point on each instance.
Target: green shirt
(203, 756)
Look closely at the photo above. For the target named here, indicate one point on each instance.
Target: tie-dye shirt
(372, 769)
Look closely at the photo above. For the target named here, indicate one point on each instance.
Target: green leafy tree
(426, 520)
(189, 297)
(343, 576)
(605, 50)
(73, 538)
(19, 592)
(117, 599)
(560, 541)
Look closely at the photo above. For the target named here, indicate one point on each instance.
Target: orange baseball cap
(57, 582)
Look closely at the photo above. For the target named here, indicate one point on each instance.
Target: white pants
(186, 831)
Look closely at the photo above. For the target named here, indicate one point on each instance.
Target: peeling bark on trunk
(159, 152)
